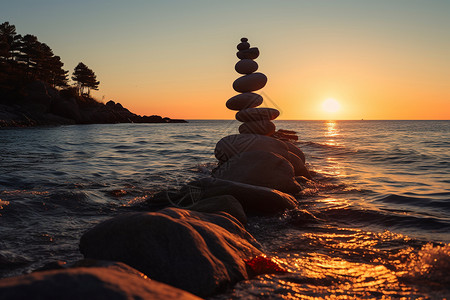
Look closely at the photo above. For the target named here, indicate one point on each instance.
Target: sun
(330, 105)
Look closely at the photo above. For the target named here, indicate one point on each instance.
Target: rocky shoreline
(37, 104)
(190, 242)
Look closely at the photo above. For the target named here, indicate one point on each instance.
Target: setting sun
(330, 105)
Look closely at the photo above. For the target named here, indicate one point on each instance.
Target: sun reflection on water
(350, 263)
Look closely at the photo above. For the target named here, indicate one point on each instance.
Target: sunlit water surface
(375, 223)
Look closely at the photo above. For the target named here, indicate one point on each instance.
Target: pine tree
(85, 79)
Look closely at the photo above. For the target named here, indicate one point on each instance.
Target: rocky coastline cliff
(38, 104)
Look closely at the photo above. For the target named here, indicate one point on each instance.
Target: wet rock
(234, 144)
(245, 100)
(257, 114)
(299, 165)
(286, 135)
(263, 127)
(251, 53)
(246, 66)
(294, 149)
(249, 83)
(117, 281)
(198, 252)
(254, 199)
(260, 168)
(221, 203)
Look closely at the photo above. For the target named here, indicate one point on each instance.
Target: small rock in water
(257, 114)
(245, 100)
(251, 53)
(246, 66)
(263, 127)
(254, 199)
(250, 83)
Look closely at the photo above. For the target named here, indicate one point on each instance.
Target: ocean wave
(430, 264)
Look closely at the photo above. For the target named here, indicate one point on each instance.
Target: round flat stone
(244, 39)
(249, 83)
(246, 66)
(251, 53)
(264, 127)
(243, 46)
(245, 100)
(257, 114)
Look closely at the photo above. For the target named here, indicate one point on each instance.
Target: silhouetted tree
(7, 36)
(85, 79)
(25, 58)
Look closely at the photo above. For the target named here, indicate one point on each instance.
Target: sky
(376, 59)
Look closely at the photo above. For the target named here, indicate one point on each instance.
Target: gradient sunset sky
(377, 59)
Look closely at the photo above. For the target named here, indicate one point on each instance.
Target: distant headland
(35, 89)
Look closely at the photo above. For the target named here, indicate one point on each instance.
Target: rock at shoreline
(117, 281)
(299, 165)
(37, 103)
(197, 252)
(260, 168)
(296, 150)
(221, 203)
(256, 200)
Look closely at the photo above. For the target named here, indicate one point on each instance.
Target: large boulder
(260, 168)
(197, 252)
(117, 281)
(234, 144)
(221, 203)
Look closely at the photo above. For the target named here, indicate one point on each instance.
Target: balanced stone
(257, 114)
(246, 66)
(263, 127)
(243, 46)
(249, 83)
(244, 39)
(245, 100)
(251, 53)
(234, 144)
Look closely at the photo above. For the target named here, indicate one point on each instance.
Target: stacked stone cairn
(255, 120)
(257, 156)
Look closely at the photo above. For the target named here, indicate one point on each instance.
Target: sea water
(374, 223)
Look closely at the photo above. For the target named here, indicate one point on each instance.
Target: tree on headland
(85, 79)
(25, 58)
